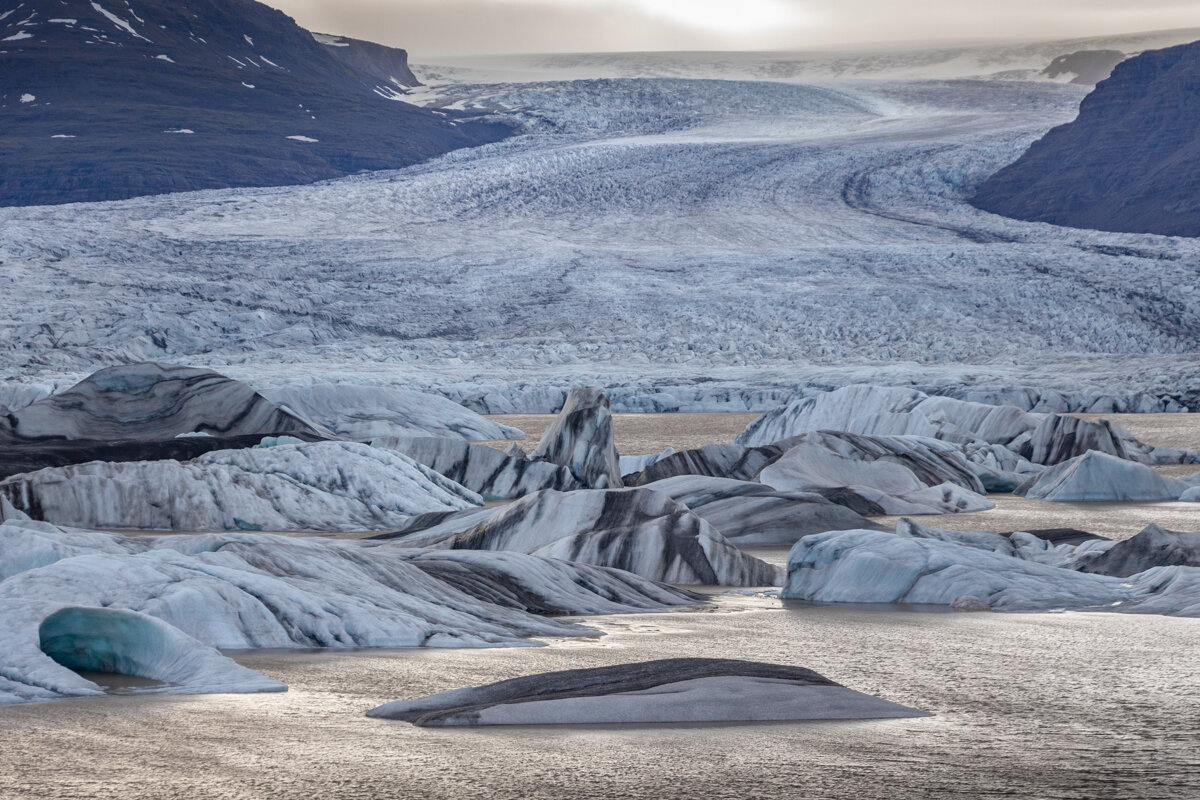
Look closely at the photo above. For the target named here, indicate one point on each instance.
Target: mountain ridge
(123, 98)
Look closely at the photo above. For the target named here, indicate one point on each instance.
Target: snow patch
(27, 98)
(16, 37)
(332, 41)
(303, 139)
(179, 130)
(120, 23)
(163, 57)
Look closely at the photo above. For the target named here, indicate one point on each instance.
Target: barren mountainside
(1130, 162)
(119, 98)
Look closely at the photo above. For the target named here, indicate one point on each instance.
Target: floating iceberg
(492, 474)
(581, 439)
(965, 572)
(638, 530)
(734, 461)
(157, 606)
(878, 410)
(875, 475)
(1154, 546)
(363, 413)
(755, 515)
(321, 486)
(152, 401)
(1096, 476)
(670, 690)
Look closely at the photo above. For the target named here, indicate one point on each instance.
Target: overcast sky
(430, 28)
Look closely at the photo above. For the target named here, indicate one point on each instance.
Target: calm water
(1070, 706)
(1087, 706)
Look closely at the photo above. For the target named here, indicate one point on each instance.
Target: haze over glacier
(679, 228)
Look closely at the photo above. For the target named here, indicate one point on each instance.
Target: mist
(431, 28)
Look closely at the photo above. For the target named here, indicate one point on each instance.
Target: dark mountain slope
(387, 66)
(1129, 162)
(116, 98)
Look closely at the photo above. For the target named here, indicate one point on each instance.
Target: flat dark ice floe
(669, 690)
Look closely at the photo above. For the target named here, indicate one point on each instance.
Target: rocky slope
(1128, 163)
(114, 99)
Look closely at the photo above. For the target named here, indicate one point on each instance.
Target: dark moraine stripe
(714, 461)
(30, 456)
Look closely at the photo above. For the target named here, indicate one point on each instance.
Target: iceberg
(151, 401)
(877, 410)
(876, 475)
(755, 515)
(1096, 476)
(157, 606)
(874, 567)
(362, 413)
(581, 439)
(1154, 546)
(639, 530)
(669, 690)
(492, 474)
(734, 461)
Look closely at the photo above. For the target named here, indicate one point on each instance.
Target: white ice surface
(363, 413)
(158, 606)
(657, 236)
(1099, 477)
(323, 486)
(880, 567)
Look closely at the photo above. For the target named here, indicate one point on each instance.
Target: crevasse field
(711, 233)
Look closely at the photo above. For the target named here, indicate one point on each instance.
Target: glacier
(741, 240)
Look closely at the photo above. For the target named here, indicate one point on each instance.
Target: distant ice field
(730, 233)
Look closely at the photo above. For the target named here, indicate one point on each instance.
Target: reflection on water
(1073, 706)
(117, 684)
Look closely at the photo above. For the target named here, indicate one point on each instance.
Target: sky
(430, 28)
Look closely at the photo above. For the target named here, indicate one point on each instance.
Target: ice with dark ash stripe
(581, 439)
(639, 530)
(669, 690)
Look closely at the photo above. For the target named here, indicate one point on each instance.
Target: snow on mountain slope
(721, 237)
(107, 99)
